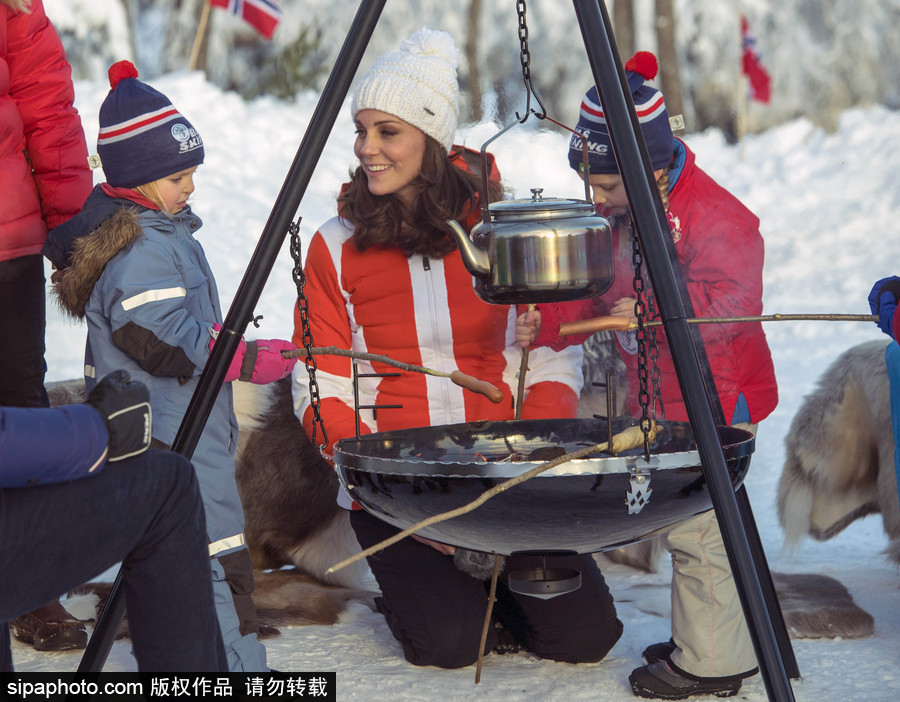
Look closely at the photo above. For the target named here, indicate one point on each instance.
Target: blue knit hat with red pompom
(142, 136)
(652, 116)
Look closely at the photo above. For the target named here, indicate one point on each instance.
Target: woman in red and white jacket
(386, 277)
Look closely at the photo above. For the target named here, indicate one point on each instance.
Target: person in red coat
(719, 253)
(44, 180)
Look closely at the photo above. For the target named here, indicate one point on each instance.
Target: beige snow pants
(708, 624)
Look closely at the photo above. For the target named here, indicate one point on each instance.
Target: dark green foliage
(296, 67)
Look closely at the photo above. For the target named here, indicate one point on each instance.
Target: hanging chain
(524, 53)
(637, 261)
(645, 311)
(648, 349)
(525, 59)
(303, 305)
(653, 351)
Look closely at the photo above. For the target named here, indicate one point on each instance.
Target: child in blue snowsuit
(130, 266)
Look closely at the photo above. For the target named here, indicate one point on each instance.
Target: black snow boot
(658, 651)
(663, 681)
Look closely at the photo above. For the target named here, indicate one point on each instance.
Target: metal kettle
(537, 250)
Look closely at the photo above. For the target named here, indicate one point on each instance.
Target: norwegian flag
(264, 15)
(752, 67)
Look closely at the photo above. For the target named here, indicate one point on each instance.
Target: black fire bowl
(582, 506)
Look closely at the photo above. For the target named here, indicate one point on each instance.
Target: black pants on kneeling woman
(437, 612)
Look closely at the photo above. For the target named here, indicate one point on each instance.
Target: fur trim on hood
(72, 286)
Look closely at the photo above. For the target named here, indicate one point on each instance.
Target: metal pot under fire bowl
(582, 506)
(538, 251)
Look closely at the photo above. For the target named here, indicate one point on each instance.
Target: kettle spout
(477, 261)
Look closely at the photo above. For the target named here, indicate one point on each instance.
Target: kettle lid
(538, 207)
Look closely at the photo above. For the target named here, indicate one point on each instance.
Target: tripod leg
(782, 639)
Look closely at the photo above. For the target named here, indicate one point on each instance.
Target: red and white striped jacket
(425, 312)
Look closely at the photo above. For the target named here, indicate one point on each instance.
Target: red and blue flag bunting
(752, 67)
(263, 15)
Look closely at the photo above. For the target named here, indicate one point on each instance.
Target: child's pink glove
(269, 365)
(259, 361)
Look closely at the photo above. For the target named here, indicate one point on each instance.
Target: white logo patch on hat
(188, 137)
(180, 132)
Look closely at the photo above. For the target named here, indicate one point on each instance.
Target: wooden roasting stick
(523, 369)
(632, 437)
(482, 387)
(492, 598)
(611, 323)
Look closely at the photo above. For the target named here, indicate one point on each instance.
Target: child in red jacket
(720, 256)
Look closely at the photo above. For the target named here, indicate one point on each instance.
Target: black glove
(892, 285)
(124, 405)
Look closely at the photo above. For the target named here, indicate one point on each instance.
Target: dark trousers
(23, 321)
(437, 612)
(145, 512)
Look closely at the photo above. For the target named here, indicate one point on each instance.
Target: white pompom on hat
(417, 83)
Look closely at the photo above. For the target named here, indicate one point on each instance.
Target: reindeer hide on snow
(818, 607)
(839, 467)
(291, 516)
(839, 452)
(286, 597)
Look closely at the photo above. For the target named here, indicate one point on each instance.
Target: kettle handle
(485, 205)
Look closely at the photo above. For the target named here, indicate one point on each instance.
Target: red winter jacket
(720, 252)
(44, 175)
(424, 312)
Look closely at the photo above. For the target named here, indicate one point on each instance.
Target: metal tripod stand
(753, 580)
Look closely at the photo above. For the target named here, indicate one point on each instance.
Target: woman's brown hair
(442, 191)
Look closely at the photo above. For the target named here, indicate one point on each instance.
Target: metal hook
(585, 164)
(530, 91)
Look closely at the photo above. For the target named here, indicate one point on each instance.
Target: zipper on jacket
(435, 337)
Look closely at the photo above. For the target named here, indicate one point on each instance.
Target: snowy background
(824, 56)
(829, 205)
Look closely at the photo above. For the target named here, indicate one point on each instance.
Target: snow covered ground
(829, 206)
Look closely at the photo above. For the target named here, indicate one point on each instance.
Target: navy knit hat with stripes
(142, 136)
(651, 113)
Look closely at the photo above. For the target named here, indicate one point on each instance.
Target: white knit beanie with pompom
(417, 83)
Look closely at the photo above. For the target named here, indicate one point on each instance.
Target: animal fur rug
(295, 530)
(286, 597)
(816, 606)
(839, 458)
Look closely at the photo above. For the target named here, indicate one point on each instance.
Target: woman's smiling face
(390, 152)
